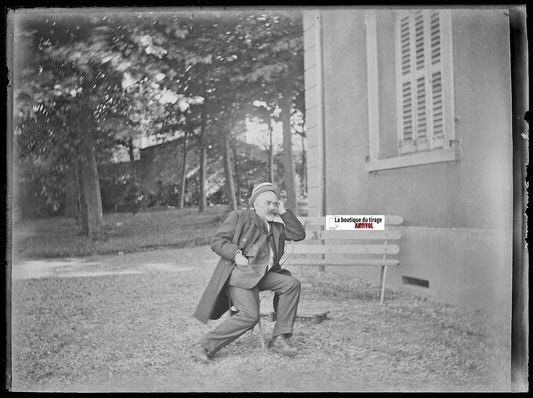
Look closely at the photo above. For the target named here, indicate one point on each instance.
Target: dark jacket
(241, 230)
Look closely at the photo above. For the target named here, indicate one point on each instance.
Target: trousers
(246, 301)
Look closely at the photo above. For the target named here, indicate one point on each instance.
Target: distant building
(160, 165)
(408, 112)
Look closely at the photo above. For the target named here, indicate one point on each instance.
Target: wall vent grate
(409, 280)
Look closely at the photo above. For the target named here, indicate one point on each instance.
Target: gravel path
(123, 323)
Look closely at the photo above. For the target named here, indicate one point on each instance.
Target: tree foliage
(109, 77)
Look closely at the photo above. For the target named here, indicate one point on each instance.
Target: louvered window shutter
(420, 86)
(406, 107)
(437, 103)
(421, 130)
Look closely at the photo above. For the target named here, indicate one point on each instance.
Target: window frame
(433, 151)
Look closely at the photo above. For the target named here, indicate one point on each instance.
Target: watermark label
(344, 223)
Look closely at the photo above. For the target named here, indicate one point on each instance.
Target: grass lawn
(123, 232)
(133, 333)
(124, 323)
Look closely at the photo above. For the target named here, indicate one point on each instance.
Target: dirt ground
(123, 323)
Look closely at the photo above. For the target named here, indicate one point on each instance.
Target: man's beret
(263, 187)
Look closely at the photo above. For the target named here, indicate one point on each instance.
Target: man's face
(266, 205)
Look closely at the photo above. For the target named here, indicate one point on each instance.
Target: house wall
(314, 111)
(458, 215)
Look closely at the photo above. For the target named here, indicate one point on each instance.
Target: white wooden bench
(359, 247)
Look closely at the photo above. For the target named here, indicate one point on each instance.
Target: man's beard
(270, 215)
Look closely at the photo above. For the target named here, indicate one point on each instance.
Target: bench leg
(382, 286)
(261, 336)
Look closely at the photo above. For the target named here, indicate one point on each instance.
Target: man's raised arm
(294, 229)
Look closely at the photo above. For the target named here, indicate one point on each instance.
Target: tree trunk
(91, 215)
(236, 170)
(131, 149)
(228, 174)
(71, 194)
(132, 160)
(270, 152)
(81, 203)
(202, 200)
(288, 160)
(183, 172)
(91, 185)
(304, 166)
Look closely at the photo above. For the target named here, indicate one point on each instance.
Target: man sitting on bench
(250, 244)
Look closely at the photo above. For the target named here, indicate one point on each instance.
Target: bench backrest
(341, 247)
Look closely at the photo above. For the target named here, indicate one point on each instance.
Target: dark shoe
(201, 354)
(282, 346)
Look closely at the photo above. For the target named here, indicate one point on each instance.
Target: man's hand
(240, 259)
(281, 207)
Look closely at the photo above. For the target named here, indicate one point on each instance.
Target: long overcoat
(240, 231)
